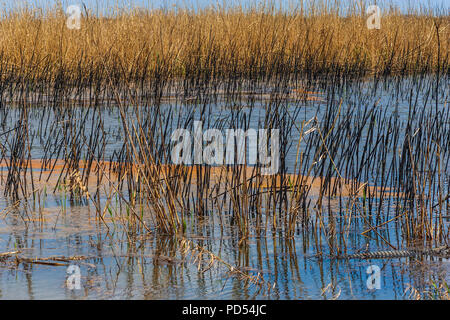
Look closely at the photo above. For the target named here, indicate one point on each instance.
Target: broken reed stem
(197, 251)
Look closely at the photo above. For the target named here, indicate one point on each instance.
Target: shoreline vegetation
(129, 63)
(87, 115)
(262, 43)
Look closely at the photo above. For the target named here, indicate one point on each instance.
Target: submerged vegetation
(363, 115)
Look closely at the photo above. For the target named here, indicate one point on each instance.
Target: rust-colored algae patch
(50, 171)
(308, 95)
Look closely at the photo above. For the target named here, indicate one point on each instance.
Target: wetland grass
(362, 162)
(197, 47)
(363, 118)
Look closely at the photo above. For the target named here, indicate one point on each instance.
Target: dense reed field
(259, 43)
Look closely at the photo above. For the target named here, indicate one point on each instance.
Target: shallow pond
(117, 262)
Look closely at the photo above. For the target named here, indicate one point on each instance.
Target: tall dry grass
(255, 43)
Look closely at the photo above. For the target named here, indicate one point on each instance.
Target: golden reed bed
(218, 43)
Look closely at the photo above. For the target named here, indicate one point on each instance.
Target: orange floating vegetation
(218, 177)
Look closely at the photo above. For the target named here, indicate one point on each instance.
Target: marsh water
(118, 264)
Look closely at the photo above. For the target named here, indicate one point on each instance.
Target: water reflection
(127, 266)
